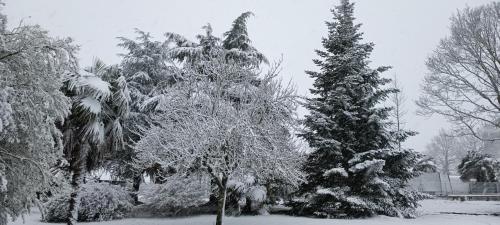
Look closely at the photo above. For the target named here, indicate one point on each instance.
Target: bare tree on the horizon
(464, 82)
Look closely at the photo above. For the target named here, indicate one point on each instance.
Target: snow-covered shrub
(246, 196)
(182, 192)
(97, 202)
(479, 166)
(56, 209)
(178, 196)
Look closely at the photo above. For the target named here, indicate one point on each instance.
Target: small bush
(178, 196)
(246, 196)
(182, 192)
(98, 202)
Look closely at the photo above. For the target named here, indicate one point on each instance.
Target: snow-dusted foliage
(100, 99)
(479, 166)
(5, 110)
(32, 67)
(177, 194)
(148, 71)
(259, 120)
(356, 168)
(219, 123)
(97, 202)
(217, 78)
(246, 195)
(236, 45)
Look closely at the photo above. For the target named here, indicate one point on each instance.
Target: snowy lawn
(431, 214)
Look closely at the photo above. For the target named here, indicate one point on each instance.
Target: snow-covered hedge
(98, 202)
(182, 192)
(178, 196)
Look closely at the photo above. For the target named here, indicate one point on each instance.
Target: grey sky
(405, 32)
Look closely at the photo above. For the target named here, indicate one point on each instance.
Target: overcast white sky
(404, 32)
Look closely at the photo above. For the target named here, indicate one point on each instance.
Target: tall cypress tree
(355, 169)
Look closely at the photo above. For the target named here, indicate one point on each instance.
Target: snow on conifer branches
(236, 45)
(356, 168)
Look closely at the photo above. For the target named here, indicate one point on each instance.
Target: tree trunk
(449, 181)
(270, 198)
(221, 201)
(136, 186)
(40, 208)
(76, 167)
(3, 215)
(446, 162)
(248, 206)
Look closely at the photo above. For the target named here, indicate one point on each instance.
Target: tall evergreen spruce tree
(355, 169)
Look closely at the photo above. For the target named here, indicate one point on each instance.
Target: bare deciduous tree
(443, 150)
(464, 80)
(398, 100)
(223, 122)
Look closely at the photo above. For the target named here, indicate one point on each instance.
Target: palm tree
(94, 128)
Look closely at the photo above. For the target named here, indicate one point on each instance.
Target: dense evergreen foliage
(355, 168)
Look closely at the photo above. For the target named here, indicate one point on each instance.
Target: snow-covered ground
(432, 207)
(431, 214)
